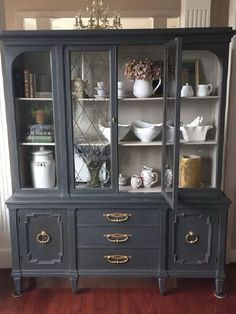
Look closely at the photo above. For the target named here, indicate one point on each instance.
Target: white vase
(144, 89)
(43, 169)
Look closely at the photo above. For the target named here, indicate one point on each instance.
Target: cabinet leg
(18, 287)
(73, 284)
(219, 292)
(162, 285)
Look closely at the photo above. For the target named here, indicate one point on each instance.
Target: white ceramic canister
(43, 169)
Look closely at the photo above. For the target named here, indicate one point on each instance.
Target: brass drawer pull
(117, 237)
(43, 237)
(117, 259)
(117, 217)
(191, 237)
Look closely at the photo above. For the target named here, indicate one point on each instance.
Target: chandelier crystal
(98, 11)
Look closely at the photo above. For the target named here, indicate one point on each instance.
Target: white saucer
(101, 97)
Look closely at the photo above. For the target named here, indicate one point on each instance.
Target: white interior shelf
(129, 189)
(35, 99)
(159, 143)
(37, 144)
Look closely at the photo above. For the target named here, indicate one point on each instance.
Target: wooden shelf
(129, 189)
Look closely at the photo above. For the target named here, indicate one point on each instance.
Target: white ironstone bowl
(146, 131)
(123, 130)
(195, 133)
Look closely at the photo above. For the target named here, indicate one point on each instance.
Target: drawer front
(43, 239)
(118, 217)
(118, 259)
(118, 236)
(193, 239)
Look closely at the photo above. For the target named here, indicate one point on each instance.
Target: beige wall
(13, 6)
(2, 15)
(219, 12)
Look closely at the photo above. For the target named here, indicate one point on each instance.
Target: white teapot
(148, 176)
(187, 91)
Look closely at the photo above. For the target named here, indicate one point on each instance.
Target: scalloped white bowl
(123, 130)
(146, 131)
(195, 133)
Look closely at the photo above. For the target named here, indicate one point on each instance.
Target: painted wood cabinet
(103, 182)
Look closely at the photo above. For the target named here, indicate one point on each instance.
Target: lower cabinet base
(19, 291)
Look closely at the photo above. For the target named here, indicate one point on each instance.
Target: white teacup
(100, 84)
(136, 181)
(101, 92)
(204, 90)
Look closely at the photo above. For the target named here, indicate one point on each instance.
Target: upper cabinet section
(124, 111)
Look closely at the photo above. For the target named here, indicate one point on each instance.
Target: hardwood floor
(118, 296)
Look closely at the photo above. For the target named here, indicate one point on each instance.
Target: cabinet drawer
(42, 238)
(193, 239)
(118, 217)
(118, 236)
(105, 259)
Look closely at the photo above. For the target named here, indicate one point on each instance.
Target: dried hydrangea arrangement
(145, 69)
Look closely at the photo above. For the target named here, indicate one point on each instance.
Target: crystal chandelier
(97, 11)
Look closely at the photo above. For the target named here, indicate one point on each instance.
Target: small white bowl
(146, 131)
(195, 133)
(123, 130)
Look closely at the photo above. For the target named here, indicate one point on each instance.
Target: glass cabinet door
(34, 116)
(170, 152)
(90, 98)
(201, 119)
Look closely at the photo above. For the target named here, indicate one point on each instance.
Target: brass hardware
(191, 237)
(117, 217)
(43, 237)
(117, 237)
(117, 259)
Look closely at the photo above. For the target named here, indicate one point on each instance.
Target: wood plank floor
(118, 296)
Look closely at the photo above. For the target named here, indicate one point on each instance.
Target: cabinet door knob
(191, 237)
(114, 120)
(117, 237)
(117, 217)
(117, 259)
(43, 237)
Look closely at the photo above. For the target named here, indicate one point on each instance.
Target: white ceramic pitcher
(204, 90)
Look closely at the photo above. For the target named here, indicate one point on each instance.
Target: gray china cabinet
(108, 183)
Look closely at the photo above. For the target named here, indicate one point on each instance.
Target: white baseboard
(233, 256)
(5, 258)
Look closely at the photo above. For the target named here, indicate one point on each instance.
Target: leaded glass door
(92, 110)
(171, 121)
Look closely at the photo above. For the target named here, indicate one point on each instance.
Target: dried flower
(143, 69)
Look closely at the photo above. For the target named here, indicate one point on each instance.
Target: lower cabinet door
(42, 239)
(193, 239)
